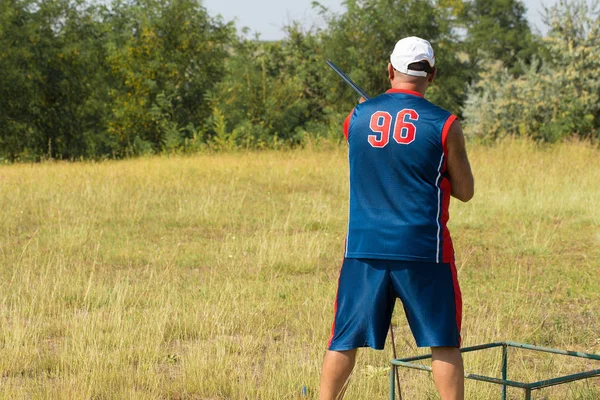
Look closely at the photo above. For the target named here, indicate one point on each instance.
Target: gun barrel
(349, 81)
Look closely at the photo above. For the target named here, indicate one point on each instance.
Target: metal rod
(349, 81)
(471, 376)
(504, 369)
(463, 350)
(554, 351)
(564, 379)
(409, 359)
(498, 381)
(528, 394)
(392, 383)
(395, 357)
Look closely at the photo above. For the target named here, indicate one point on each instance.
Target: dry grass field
(213, 276)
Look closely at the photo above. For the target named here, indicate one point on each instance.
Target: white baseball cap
(411, 50)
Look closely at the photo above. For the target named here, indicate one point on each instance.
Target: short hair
(421, 66)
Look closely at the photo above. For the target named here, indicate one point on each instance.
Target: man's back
(399, 191)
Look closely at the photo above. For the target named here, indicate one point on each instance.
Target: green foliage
(87, 79)
(271, 90)
(361, 40)
(497, 30)
(556, 97)
(222, 138)
(49, 89)
(83, 80)
(164, 57)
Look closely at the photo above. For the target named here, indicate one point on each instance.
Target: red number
(404, 131)
(381, 123)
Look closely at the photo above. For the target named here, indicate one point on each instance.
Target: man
(407, 156)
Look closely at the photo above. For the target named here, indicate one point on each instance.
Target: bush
(557, 97)
(93, 81)
(270, 91)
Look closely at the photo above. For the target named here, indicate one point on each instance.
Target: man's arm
(349, 117)
(459, 169)
(347, 124)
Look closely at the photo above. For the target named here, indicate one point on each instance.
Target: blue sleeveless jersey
(399, 190)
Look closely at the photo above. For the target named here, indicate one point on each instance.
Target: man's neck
(421, 89)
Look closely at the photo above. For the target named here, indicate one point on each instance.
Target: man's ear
(390, 71)
(432, 75)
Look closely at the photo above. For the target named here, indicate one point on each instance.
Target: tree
(85, 80)
(497, 30)
(362, 39)
(272, 90)
(17, 80)
(52, 66)
(165, 57)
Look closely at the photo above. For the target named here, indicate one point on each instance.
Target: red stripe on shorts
(335, 307)
(457, 299)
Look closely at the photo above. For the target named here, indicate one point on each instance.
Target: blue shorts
(367, 292)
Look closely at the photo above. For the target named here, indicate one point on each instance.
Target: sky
(268, 17)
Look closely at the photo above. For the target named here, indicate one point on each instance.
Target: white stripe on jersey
(349, 195)
(437, 255)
